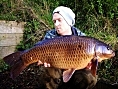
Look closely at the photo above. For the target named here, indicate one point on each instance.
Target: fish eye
(108, 48)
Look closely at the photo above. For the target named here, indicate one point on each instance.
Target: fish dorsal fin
(67, 74)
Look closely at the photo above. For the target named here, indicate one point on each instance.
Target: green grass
(3, 66)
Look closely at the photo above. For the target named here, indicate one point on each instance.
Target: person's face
(60, 24)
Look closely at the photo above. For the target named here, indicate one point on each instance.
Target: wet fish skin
(57, 53)
(60, 53)
(64, 52)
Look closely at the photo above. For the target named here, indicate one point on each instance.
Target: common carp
(65, 52)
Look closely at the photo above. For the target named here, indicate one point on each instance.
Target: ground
(35, 77)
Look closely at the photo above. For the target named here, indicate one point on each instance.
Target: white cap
(67, 14)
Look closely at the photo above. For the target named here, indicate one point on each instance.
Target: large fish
(65, 52)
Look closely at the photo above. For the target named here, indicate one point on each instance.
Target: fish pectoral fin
(67, 74)
(94, 67)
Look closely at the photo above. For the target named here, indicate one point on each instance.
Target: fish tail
(17, 68)
(15, 62)
(12, 58)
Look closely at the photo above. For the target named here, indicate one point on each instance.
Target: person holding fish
(64, 20)
(65, 48)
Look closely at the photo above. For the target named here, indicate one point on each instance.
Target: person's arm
(50, 34)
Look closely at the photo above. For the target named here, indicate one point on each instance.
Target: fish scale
(64, 52)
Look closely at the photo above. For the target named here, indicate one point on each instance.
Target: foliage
(109, 70)
(3, 66)
(97, 18)
(29, 37)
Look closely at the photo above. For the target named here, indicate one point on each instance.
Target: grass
(3, 66)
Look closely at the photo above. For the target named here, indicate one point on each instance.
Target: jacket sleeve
(50, 34)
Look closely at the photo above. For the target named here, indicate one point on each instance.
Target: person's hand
(45, 64)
